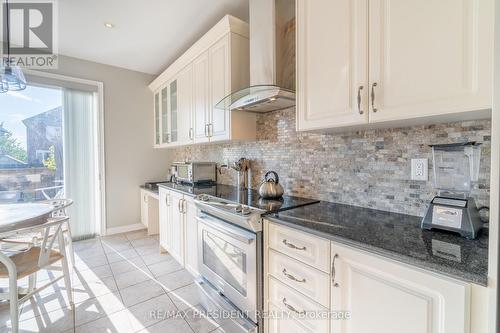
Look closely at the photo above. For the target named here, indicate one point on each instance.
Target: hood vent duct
(272, 59)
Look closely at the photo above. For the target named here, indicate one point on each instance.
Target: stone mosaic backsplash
(368, 168)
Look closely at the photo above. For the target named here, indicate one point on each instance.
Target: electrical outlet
(419, 169)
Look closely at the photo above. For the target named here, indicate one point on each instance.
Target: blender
(455, 166)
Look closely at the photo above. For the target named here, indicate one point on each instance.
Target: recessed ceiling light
(109, 25)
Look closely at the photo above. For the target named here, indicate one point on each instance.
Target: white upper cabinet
(399, 62)
(332, 58)
(201, 101)
(216, 65)
(184, 100)
(430, 57)
(218, 127)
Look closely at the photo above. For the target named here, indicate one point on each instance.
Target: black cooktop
(246, 197)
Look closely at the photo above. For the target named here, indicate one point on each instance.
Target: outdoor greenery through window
(31, 145)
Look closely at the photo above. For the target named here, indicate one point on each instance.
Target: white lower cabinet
(165, 220)
(369, 294)
(385, 297)
(298, 307)
(191, 236)
(149, 211)
(178, 228)
(303, 278)
(279, 323)
(177, 245)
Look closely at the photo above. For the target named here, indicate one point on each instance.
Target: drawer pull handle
(335, 284)
(295, 247)
(291, 308)
(291, 277)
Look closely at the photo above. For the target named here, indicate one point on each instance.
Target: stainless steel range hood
(272, 59)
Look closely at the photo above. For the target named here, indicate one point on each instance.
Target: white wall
(128, 134)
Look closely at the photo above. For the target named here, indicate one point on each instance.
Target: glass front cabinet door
(165, 123)
(157, 119)
(173, 111)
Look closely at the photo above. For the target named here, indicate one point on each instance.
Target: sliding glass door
(50, 148)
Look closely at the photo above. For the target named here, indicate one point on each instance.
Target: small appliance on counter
(194, 173)
(455, 166)
(270, 188)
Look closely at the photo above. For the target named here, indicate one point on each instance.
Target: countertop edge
(151, 191)
(412, 262)
(176, 190)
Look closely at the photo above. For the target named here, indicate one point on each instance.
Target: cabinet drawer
(282, 324)
(309, 281)
(309, 313)
(312, 250)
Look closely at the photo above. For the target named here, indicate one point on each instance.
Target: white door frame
(494, 246)
(100, 133)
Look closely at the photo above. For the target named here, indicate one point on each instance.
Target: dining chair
(19, 264)
(60, 206)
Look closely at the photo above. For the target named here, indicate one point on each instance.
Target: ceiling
(148, 35)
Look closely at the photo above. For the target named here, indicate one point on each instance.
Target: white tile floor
(120, 283)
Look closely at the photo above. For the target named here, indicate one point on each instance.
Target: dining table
(19, 216)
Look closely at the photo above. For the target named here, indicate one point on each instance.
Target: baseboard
(125, 228)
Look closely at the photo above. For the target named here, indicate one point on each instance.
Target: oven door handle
(242, 236)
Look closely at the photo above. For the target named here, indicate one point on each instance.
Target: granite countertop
(247, 197)
(396, 236)
(152, 190)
